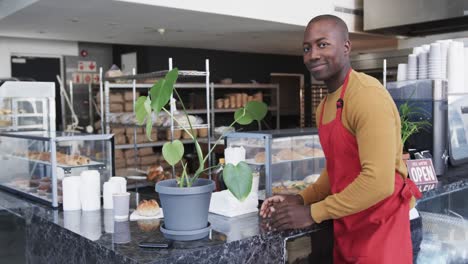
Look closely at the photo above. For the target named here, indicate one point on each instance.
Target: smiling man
(364, 187)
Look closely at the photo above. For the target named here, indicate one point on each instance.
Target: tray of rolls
(287, 155)
(63, 160)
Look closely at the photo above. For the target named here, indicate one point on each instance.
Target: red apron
(381, 233)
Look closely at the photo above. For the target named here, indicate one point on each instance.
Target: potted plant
(409, 127)
(186, 200)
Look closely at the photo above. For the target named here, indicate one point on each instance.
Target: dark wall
(240, 67)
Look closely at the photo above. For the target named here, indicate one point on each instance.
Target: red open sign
(421, 171)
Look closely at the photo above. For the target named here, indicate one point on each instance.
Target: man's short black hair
(339, 24)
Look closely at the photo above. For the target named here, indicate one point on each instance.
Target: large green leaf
(171, 78)
(162, 90)
(257, 110)
(141, 110)
(149, 127)
(238, 179)
(173, 151)
(243, 117)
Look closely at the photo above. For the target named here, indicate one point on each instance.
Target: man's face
(325, 49)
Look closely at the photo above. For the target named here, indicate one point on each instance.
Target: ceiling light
(161, 31)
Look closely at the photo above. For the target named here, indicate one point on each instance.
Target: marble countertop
(93, 237)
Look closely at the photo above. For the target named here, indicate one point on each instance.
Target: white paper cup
(121, 202)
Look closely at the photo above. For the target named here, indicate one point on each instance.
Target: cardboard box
(129, 153)
(128, 96)
(117, 131)
(119, 154)
(128, 107)
(129, 130)
(145, 152)
(116, 98)
(120, 140)
(116, 107)
(120, 163)
(148, 160)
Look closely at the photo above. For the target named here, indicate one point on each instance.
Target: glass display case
(35, 162)
(27, 106)
(288, 160)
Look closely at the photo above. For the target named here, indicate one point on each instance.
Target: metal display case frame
(268, 137)
(53, 138)
(31, 92)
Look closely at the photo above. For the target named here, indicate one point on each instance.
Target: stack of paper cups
(402, 69)
(444, 47)
(90, 191)
(412, 69)
(423, 65)
(71, 193)
(455, 69)
(435, 61)
(466, 70)
(110, 188)
(122, 183)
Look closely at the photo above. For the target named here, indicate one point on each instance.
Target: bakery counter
(54, 236)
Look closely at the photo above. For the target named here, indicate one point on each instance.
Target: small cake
(155, 174)
(148, 208)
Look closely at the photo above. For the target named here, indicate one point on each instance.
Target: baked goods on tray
(287, 154)
(63, 159)
(310, 152)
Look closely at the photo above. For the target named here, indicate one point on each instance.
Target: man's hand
(289, 216)
(268, 206)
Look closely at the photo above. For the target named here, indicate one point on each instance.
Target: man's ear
(347, 46)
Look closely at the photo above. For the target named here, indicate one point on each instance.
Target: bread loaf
(148, 208)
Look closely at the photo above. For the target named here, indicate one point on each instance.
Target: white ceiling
(108, 21)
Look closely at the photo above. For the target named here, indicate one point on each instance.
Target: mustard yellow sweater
(370, 114)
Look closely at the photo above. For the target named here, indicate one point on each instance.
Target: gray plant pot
(185, 209)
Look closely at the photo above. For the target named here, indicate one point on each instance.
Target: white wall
(39, 47)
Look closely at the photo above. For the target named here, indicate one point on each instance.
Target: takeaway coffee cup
(121, 203)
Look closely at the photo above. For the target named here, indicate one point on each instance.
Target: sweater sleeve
(372, 119)
(317, 191)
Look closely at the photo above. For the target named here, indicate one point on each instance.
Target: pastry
(34, 182)
(287, 154)
(155, 174)
(148, 208)
(260, 158)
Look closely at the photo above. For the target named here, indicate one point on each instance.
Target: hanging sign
(87, 78)
(422, 172)
(77, 77)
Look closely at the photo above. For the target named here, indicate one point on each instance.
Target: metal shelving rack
(134, 86)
